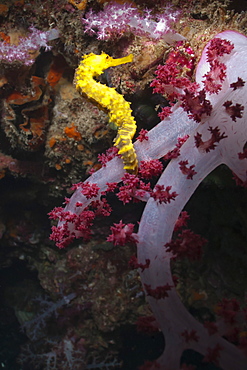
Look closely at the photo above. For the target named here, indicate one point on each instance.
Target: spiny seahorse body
(118, 109)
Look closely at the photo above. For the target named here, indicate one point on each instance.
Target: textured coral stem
(158, 220)
(156, 227)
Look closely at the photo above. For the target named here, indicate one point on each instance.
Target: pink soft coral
(117, 19)
(214, 120)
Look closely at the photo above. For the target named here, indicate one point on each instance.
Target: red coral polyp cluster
(122, 234)
(162, 194)
(175, 75)
(187, 245)
(209, 144)
(217, 48)
(234, 111)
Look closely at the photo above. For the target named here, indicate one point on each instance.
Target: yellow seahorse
(118, 109)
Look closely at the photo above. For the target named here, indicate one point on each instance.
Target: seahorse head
(103, 61)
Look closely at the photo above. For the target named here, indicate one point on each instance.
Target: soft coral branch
(158, 220)
(204, 117)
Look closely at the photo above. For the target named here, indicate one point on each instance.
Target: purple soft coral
(116, 19)
(216, 135)
(21, 53)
